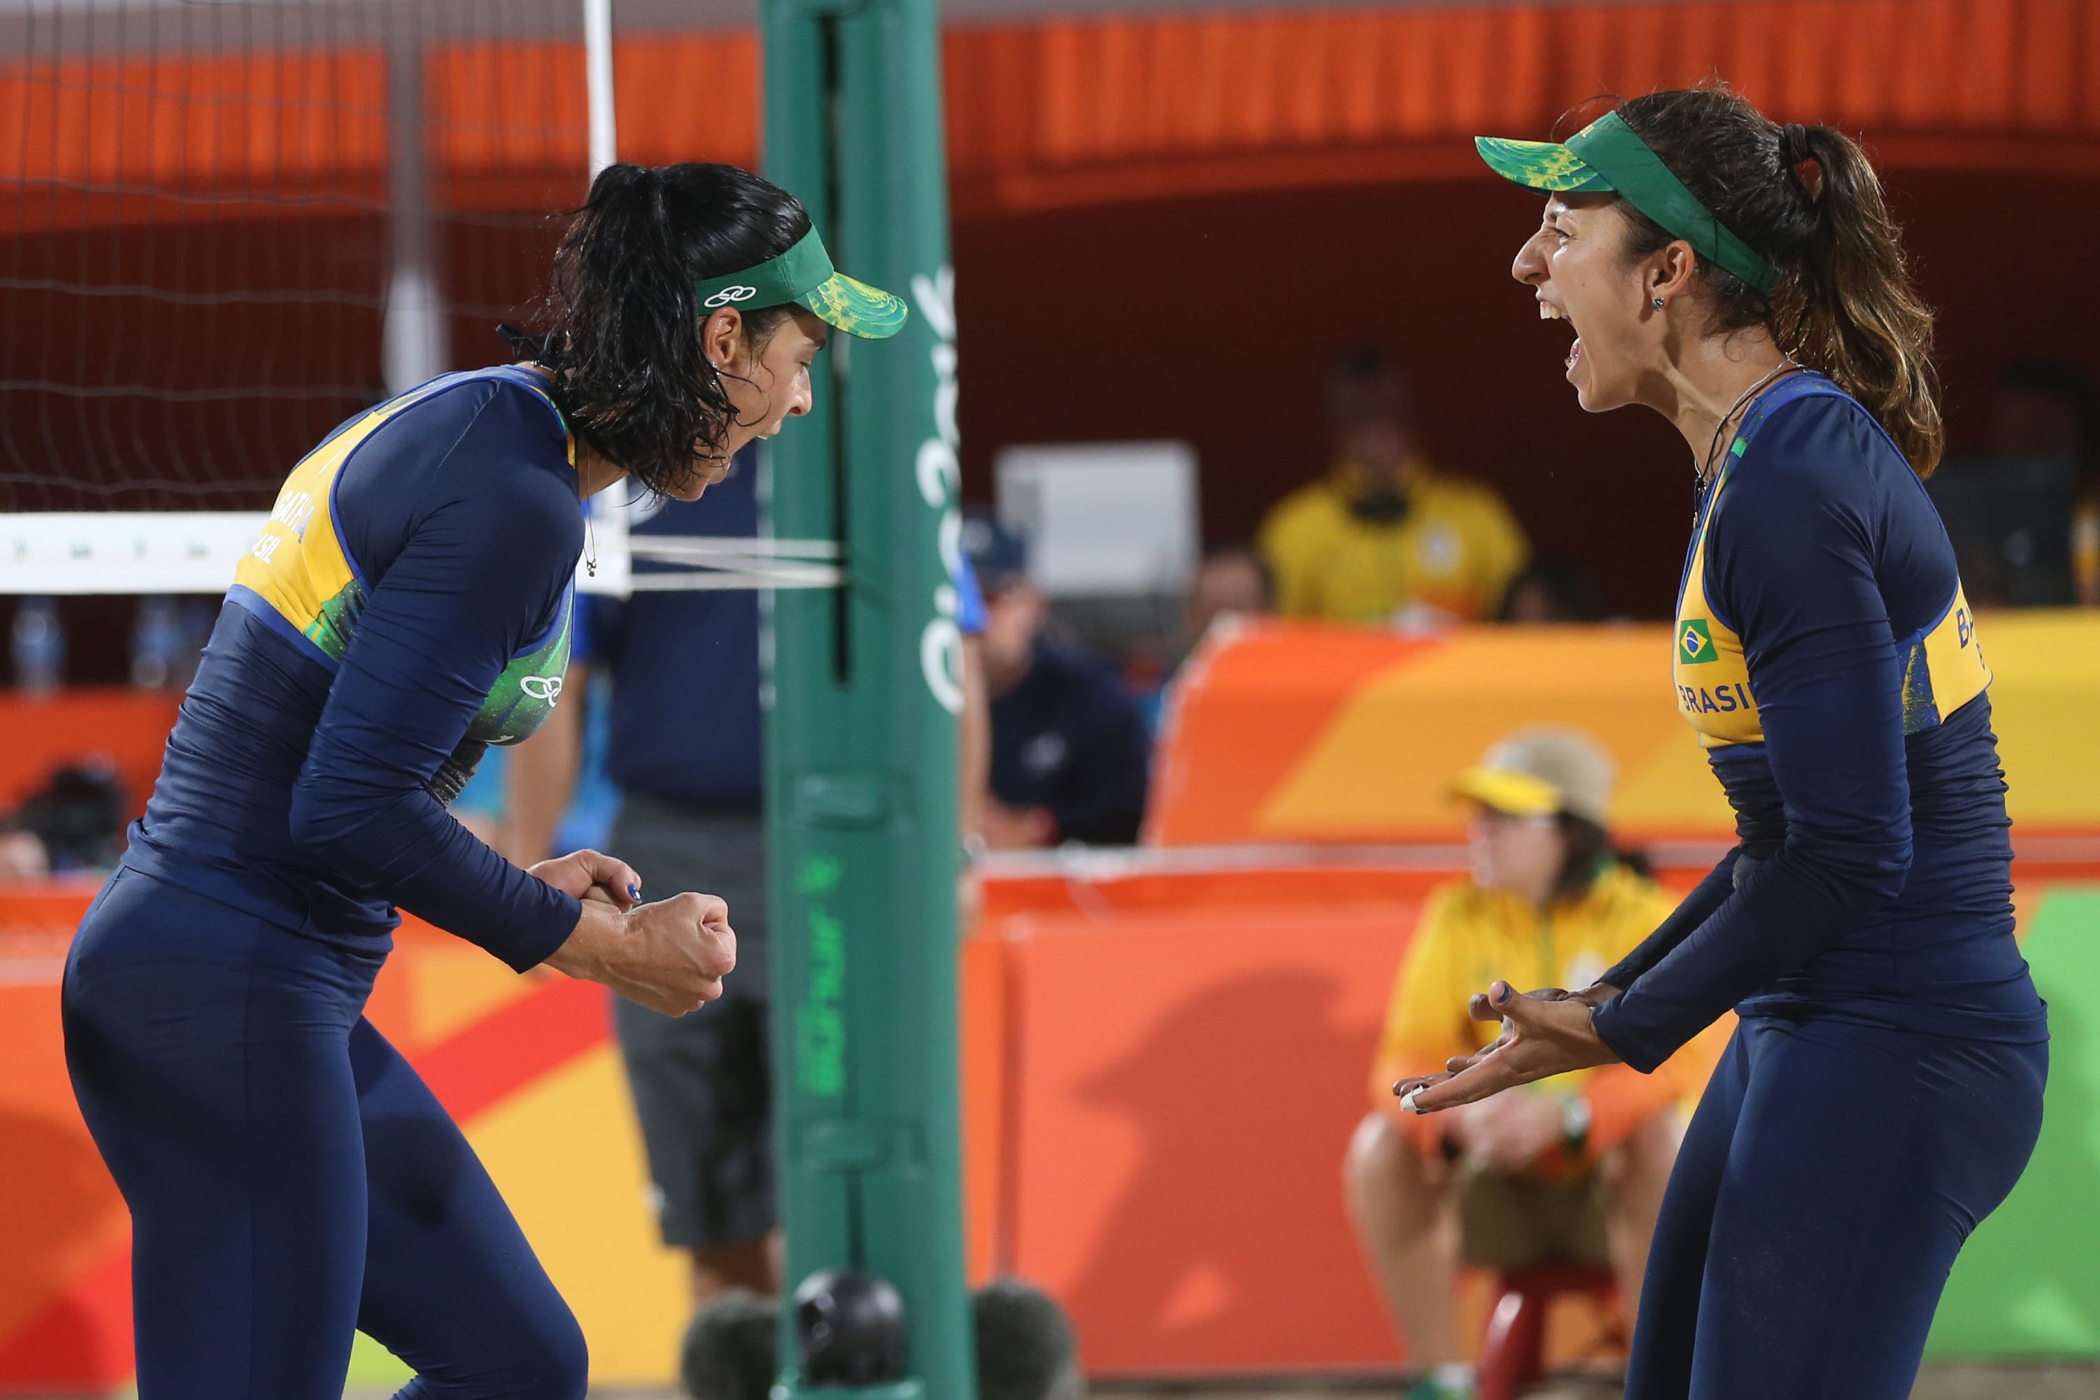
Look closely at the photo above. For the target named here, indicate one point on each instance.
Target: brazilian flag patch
(1695, 644)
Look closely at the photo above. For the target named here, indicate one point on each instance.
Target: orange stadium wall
(1339, 734)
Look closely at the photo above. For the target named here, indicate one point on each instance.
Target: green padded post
(865, 687)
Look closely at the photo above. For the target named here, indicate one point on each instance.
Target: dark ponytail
(621, 329)
(1808, 200)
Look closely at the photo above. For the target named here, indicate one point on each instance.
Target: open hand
(1543, 1034)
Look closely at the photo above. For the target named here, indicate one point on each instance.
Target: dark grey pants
(702, 1082)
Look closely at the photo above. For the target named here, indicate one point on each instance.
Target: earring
(1658, 303)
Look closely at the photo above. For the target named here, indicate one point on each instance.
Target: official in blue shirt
(1070, 750)
(1883, 1090)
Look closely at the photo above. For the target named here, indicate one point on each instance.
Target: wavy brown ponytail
(1808, 200)
(1859, 318)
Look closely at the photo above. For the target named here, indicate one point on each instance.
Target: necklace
(1702, 472)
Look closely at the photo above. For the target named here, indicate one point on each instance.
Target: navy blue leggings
(1825, 1185)
(290, 1178)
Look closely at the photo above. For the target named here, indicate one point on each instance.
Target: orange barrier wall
(1174, 1168)
(128, 728)
(1165, 1066)
(1161, 1067)
(1164, 1055)
(1305, 732)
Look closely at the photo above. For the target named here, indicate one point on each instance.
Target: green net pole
(864, 688)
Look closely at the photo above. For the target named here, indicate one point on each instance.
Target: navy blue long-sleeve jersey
(408, 604)
(1830, 664)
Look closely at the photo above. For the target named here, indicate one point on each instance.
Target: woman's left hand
(1543, 1035)
(592, 875)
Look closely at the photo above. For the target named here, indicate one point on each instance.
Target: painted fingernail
(1407, 1101)
(1504, 994)
(634, 891)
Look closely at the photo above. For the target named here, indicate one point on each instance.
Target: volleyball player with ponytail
(290, 1179)
(1883, 1091)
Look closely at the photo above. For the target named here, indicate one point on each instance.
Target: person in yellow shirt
(1571, 1173)
(1385, 537)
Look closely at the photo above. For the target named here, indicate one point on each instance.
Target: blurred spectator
(2025, 518)
(1385, 536)
(1552, 590)
(1229, 581)
(1567, 1171)
(76, 817)
(2085, 550)
(22, 854)
(1069, 747)
(168, 637)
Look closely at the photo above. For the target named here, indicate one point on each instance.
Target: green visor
(803, 276)
(1608, 157)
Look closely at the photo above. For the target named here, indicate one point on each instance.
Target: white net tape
(64, 552)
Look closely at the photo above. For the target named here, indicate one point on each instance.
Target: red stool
(1514, 1354)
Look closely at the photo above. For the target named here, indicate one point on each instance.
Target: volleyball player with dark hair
(290, 1178)
(1883, 1091)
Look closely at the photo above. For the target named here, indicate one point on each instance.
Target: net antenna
(684, 562)
(226, 228)
(610, 566)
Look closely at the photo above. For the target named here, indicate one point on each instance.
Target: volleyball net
(228, 225)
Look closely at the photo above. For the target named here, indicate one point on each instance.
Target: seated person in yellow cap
(1571, 1172)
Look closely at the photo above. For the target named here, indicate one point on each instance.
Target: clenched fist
(669, 956)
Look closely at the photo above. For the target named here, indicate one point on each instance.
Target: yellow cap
(1513, 794)
(1538, 772)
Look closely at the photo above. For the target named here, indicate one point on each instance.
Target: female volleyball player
(289, 1177)
(1884, 1089)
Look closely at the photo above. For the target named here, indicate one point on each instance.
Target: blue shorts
(289, 1176)
(1825, 1185)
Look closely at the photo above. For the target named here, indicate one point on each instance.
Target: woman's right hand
(670, 956)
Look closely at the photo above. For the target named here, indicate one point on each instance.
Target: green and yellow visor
(1608, 157)
(803, 276)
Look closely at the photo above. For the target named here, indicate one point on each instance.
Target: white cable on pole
(598, 82)
(413, 342)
